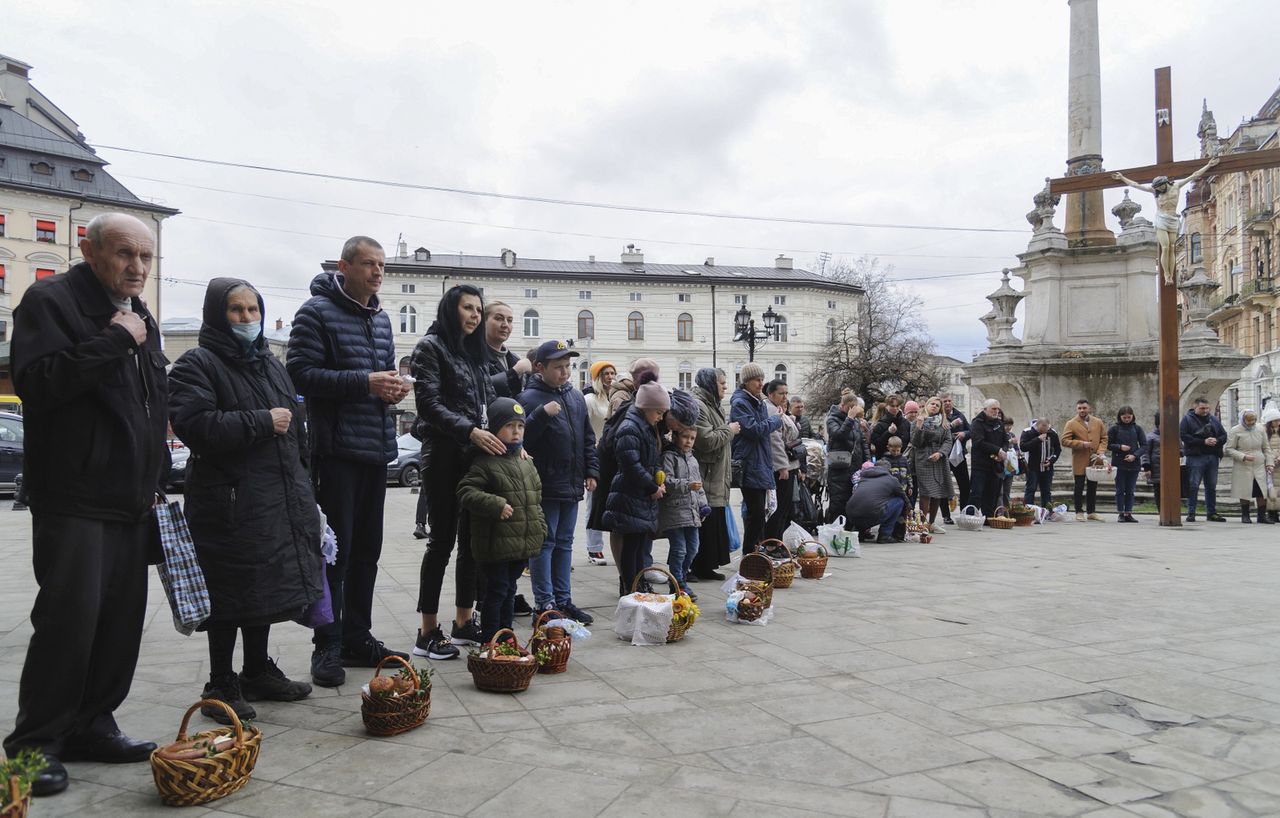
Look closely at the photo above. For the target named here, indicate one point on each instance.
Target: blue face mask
(514, 448)
(246, 334)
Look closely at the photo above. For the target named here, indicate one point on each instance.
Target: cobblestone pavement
(1079, 669)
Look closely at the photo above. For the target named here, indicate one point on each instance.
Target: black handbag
(839, 460)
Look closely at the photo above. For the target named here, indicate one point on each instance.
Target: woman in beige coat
(1247, 446)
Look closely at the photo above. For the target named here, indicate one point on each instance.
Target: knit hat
(911, 406)
(598, 367)
(502, 411)
(751, 372)
(642, 365)
(652, 396)
(684, 407)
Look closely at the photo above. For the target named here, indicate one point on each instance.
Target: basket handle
(235, 720)
(671, 580)
(15, 792)
(493, 640)
(976, 511)
(775, 544)
(999, 509)
(417, 680)
(822, 549)
(537, 623)
(754, 557)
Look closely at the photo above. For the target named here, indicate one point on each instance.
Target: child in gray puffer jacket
(681, 510)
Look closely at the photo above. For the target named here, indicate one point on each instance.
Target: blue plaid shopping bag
(180, 572)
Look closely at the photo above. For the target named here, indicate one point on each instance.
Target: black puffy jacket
(628, 509)
(844, 434)
(506, 382)
(989, 438)
(249, 501)
(334, 345)
(563, 447)
(95, 402)
(890, 426)
(866, 505)
(451, 391)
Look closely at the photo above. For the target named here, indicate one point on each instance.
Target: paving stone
(892, 744)
(1206, 802)
(999, 745)
(1116, 791)
(802, 759)
(1001, 785)
(1023, 684)
(1075, 741)
(902, 807)
(1064, 772)
(917, 786)
(551, 792)
(755, 790)
(363, 770)
(1158, 777)
(454, 783)
(286, 800)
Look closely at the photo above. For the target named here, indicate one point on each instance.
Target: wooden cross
(1171, 479)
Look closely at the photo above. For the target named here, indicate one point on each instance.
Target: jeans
(497, 609)
(1203, 468)
(595, 539)
(889, 516)
(683, 547)
(1126, 483)
(549, 571)
(1088, 495)
(984, 487)
(1042, 480)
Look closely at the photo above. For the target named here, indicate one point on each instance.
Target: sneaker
(596, 558)
(937, 529)
(1191, 518)
(525, 572)
(1094, 518)
(1080, 518)
(655, 577)
(1215, 518)
(522, 606)
(948, 521)
(326, 666)
(272, 685)
(574, 612)
(433, 645)
(368, 653)
(420, 531)
(226, 688)
(468, 633)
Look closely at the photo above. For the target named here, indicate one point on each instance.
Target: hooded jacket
(628, 508)
(334, 345)
(844, 434)
(95, 402)
(681, 506)
(1126, 434)
(752, 445)
(492, 482)
(890, 426)
(1195, 430)
(249, 500)
(1040, 452)
(866, 505)
(563, 447)
(989, 438)
(713, 445)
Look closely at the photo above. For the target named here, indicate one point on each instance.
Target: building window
(684, 327)
(531, 324)
(408, 288)
(1, 225)
(46, 231)
(684, 298)
(584, 374)
(636, 296)
(635, 327)
(780, 332)
(831, 305)
(780, 301)
(780, 373)
(685, 376)
(82, 232)
(82, 175)
(831, 330)
(586, 324)
(2, 288)
(584, 295)
(41, 272)
(42, 168)
(740, 299)
(1197, 251)
(530, 292)
(405, 365)
(408, 319)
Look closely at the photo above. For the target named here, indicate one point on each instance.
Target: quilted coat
(563, 447)
(628, 509)
(492, 482)
(752, 446)
(712, 447)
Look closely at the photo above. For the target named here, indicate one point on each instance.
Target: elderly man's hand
(387, 386)
(130, 321)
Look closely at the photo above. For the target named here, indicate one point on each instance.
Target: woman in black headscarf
(712, 451)
(249, 500)
(451, 389)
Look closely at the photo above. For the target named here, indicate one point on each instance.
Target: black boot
(1265, 517)
(1244, 512)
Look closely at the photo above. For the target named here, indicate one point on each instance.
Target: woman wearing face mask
(451, 390)
(249, 500)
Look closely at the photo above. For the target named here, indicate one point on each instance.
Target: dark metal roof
(612, 270)
(25, 143)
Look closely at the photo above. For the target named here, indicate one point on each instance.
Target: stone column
(1085, 216)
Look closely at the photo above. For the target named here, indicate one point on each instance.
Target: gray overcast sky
(919, 112)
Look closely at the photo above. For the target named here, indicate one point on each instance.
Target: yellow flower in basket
(683, 609)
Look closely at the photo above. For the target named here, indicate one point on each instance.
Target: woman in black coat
(249, 500)
(452, 390)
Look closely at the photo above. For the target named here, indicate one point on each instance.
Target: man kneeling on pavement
(878, 499)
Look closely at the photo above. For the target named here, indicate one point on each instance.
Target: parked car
(178, 471)
(404, 470)
(10, 449)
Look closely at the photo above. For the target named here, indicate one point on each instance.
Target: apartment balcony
(1258, 289)
(1224, 307)
(1259, 219)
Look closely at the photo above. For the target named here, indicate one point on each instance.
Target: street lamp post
(745, 329)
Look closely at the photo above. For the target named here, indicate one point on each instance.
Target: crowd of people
(510, 450)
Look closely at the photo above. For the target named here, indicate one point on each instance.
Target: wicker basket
(19, 802)
(557, 647)
(756, 571)
(751, 611)
(186, 782)
(1000, 520)
(784, 565)
(813, 567)
(970, 522)
(498, 676)
(678, 629)
(1023, 516)
(392, 715)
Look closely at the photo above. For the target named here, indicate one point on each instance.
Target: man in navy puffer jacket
(342, 360)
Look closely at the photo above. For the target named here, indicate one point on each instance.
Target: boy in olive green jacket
(504, 495)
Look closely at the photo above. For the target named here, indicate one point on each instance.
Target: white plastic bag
(770, 502)
(794, 535)
(731, 611)
(957, 453)
(837, 541)
(642, 619)
(572, 627)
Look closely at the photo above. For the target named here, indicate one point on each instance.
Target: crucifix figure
(1167, 192)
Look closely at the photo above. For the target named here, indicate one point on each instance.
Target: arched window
(1197, 249)
(780, 332)
(408, 319)
(831, 330)
(635, 327)
(685, 380)
(586, 324)
(531, 324)
(684, 327)
(404, 365)
(780, 372)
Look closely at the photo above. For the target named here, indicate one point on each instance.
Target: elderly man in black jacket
(88, 367)
(990, 442)
(342, 360)
(878, 499)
